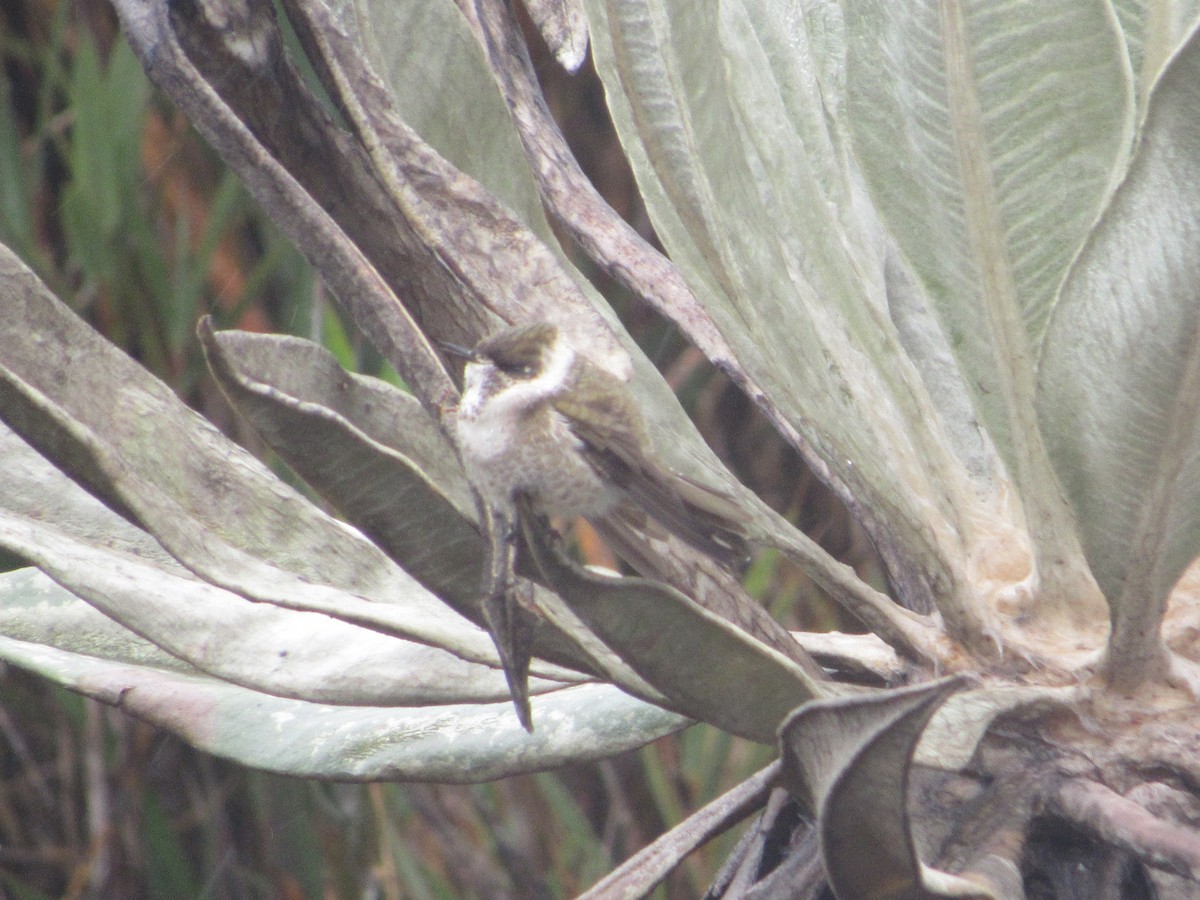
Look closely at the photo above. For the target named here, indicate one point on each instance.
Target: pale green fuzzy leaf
(368, 448)
(706, 667)
(754, 192)
(36, 610)
(278, 651)
(787, 75)
(1120, 370)
(209, 502)
(447, 744)
(1131, 16)
(991, 135)
(1154, 30)
(122, 572)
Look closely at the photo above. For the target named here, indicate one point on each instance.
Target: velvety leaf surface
(368, 448)
(707, 668)
(280, 651)
(212, 505)
(963, 135)
(455, 743)
(1153, 32)
(414, 44)
(930, 93)
(123, 573)
(753, 189)
(1120, 371)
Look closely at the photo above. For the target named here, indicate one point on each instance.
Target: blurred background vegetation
(117, 205)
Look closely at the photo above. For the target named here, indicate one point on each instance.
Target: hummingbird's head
(521, 353)
(526, 363)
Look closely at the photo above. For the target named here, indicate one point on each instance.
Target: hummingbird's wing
(602, 414)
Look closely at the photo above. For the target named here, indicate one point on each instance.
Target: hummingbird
(539, 418)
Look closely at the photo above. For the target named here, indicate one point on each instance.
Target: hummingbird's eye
(514, 368)
(518, 352)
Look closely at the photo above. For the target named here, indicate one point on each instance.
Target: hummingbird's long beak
(456, 350)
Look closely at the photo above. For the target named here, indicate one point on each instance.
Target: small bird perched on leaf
(539, 417)
(541, 425)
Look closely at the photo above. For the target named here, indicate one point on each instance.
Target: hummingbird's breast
(527, 446)
(552, 469)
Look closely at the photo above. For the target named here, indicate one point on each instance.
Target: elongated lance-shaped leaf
(447, 743)
(411, 45)
(34, 609)
(760, 205)
(963, 138)
(1120, 376)
(308, 657)
(782, 83)
(77, 642)
(285, 653)
(707, 668)
(356, 440)
(116, 568)
(209, 502)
